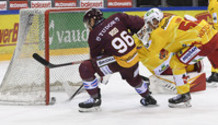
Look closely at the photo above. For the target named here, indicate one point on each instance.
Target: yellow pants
(214, 70)
(179, 71)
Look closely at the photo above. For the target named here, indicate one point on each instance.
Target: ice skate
(90, 105)
(212, 80)
(148, 101)
(180, 101)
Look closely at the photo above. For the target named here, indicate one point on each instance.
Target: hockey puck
(53, 100)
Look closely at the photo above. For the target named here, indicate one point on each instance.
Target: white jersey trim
(168, 22)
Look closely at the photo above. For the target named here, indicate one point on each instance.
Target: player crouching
(112, 49)
(190, 41)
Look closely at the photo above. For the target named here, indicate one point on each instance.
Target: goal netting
(59, 36)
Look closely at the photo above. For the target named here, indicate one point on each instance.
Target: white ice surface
(120, 106)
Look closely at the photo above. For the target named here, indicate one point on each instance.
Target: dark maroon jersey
(113, 36)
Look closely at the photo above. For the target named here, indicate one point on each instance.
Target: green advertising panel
(66, 30)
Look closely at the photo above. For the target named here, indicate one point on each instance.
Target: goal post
(58, 35)
(47, 24)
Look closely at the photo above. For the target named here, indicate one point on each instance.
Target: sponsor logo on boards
(40, 4)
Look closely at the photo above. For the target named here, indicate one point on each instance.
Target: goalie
(189, 41)
(158, 63)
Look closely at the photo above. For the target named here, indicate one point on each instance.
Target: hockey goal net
(59, 36)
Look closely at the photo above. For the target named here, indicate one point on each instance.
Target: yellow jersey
(213, 10)
(150, 59)
(175, 33)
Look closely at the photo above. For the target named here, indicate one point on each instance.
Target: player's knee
(175, 63)
(134, 81)
(86, 70)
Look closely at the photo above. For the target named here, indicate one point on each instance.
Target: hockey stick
(167, 84)
(46, 63)
(104, 80)
(193, 78)
(75, 93)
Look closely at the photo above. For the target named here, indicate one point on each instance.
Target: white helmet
(153, 13)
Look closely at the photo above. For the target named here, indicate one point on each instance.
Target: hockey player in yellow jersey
(213, 10)
(188, 41)
(159, 66)
(153, 62)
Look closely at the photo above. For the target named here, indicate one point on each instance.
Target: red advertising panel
(3, 5)
(119, 3)
(16, 5)
(41, 4)
(91, 3)
(65, 3)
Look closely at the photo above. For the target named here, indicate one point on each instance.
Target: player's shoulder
(172, 18)
(170, 21)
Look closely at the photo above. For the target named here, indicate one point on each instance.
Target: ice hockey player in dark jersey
(112, 49)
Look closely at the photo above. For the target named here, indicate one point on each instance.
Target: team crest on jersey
(114, 31)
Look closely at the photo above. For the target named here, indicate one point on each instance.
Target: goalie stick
(46, 63)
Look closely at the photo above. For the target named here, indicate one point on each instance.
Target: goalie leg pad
(162, 85)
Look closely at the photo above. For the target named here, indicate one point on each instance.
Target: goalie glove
(143, 34)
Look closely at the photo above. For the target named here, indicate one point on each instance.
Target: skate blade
(212, 84)
(94, 109)
(151, 105)
(180, 105)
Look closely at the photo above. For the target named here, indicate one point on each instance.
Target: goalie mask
(153, 17)
(92, 17)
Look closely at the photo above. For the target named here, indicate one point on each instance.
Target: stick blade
(38, 58)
